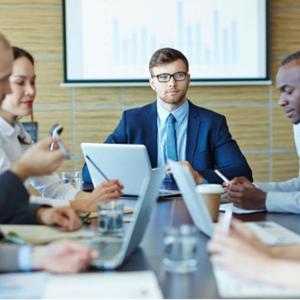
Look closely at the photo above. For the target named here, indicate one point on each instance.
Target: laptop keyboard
(107, 250)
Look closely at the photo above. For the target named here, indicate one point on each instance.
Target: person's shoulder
(141, 110)
(205, 112)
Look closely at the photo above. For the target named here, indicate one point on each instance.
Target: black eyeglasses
(165, 77)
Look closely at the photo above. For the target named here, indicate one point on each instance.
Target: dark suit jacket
(14, 201)
(209, 143)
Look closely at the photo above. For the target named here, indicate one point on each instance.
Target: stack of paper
(239, 211)
(230, 286)
(103, 285)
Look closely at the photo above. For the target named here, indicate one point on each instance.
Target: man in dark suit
(174, 128)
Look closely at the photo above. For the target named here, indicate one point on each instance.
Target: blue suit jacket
(209, 143)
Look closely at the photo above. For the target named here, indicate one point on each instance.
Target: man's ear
(151, 81)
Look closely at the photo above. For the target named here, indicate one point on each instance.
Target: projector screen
(111, 41)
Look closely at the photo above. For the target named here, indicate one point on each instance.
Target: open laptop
(114, 251)
(270, 233)
(128, 163)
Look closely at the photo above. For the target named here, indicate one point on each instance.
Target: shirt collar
(179, 113)
(7, 128)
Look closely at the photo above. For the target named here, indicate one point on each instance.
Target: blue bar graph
(215, 44)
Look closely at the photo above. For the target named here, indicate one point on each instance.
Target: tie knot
(171, 119)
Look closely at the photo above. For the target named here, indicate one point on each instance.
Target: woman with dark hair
(14, 140)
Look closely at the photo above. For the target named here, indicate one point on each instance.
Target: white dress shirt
(181, 116)
(284, 196)
(54, 191)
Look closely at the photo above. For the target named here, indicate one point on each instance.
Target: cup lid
(210, 188)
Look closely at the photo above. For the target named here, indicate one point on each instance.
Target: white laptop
(270, 233)
(114, 251)
(128, 163)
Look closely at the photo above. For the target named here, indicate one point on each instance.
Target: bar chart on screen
(220, 42)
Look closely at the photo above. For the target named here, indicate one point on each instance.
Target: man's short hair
(290, 58)
(4, 43)
(166, 55)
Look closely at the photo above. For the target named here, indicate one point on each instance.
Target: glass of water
(110, 218)
(72, 177)
(180, 249)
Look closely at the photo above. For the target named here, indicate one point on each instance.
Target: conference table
(198, 284)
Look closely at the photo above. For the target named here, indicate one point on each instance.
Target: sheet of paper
(230, 286)
(240, 211)
(40, 234)
(22, 285)
(110, 285)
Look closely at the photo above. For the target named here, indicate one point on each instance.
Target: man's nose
(282, 101)
(172, 81)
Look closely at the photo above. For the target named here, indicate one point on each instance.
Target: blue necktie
(171, 144)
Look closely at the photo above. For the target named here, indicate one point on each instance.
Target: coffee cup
(210, 194)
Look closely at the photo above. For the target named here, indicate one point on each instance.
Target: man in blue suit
(199, 136)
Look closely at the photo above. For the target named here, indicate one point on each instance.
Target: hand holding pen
(120, 185)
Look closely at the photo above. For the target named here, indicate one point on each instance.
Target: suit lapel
(193, 128)
(150, 127)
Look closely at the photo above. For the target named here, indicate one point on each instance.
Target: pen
(97, 168)
(227, 218)
(224, 178)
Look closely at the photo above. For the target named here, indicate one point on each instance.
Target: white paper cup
(211, 194)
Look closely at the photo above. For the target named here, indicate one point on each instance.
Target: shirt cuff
(25, 258)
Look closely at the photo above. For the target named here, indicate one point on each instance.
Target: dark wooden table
(199, 284)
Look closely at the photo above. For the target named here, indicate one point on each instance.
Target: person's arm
(86, 202)
(14, 207)
(282, 186)
(240, 247)
(57, 257)
(244, 194)
(227, 155)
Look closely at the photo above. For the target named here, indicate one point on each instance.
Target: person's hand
(64, 217)
(38, 160)
(62, 257)
(241, 180)
(239, 251)
(244, 194)
(196, 175)
(107, 190)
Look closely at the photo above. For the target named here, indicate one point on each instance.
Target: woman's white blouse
(54, 191)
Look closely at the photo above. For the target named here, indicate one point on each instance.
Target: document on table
(230, 286)
(23, 285)
(109, 285)
(40, 234)
(239, 211)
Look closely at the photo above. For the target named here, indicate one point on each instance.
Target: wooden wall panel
(282, 133)
(90, 114)
(36, 29)
(285, 166)
(260, 166)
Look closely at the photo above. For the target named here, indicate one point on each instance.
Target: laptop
(114, 251)
(268, 232)
(128, 163)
